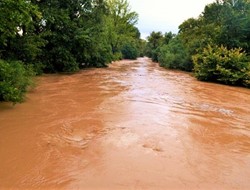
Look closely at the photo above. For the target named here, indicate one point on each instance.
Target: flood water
(133, 126)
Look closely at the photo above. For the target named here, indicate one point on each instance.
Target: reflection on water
(133, 125)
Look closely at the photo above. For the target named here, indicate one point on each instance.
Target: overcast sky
(165, 15)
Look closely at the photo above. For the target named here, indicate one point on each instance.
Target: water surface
(133, 125)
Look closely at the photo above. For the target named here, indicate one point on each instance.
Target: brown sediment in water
(133, 125)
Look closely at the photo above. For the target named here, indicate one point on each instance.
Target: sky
(165, 15)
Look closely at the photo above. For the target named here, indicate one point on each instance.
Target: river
(133, 125)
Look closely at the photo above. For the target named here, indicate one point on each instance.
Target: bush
(175, 56)
(228, 66)
(15, 78)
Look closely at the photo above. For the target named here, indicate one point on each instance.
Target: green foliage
(130, 51)
(142, 47)
(16, 17)
(168, 37)
(84, 33)
(117, 56)
(155, 41)
(235, 22)
(222, 65)
(175, 56)
(224, 23)
(17, 38)
(120, 22)
(62, 36)
(58, 29)
(15, 78)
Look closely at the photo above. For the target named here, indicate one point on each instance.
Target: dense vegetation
(39, 36)
(216, 46)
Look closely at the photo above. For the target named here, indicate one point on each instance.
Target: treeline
(215, 46)
(50, 36)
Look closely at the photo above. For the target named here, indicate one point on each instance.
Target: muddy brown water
(133, 126)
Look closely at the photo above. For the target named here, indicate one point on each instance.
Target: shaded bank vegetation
(216, 46)
(50, 36)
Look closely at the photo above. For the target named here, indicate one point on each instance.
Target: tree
(58, 29)
(75, 32)
(155, 41)
(168, 37)
(235, 24)
(231, 22)
(120, 22)
(17, 37)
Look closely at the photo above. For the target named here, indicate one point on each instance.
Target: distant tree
(155, 41)
(142, 47)
(168, 37)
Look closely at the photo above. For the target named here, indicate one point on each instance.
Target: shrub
(15, 78)
(228, 66)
